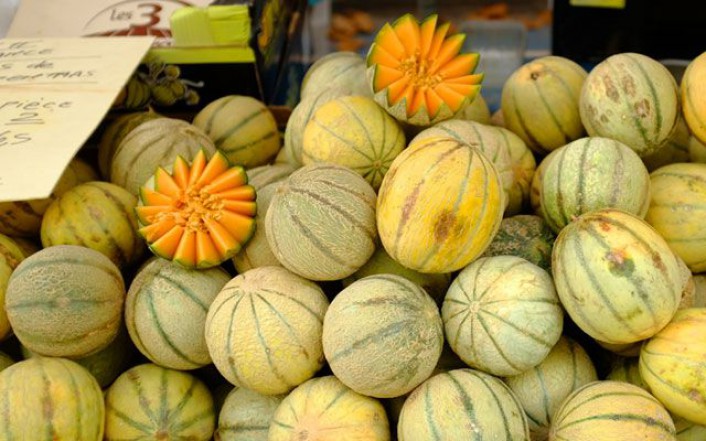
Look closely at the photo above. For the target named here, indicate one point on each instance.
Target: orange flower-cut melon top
(199, 215)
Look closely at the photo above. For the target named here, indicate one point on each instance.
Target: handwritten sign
(53, 95)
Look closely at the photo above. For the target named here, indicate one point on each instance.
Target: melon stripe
(6, 407)
(297, 302)
(327, 203)
(617, 172)
(282, 319)
(559, 194)
(630, 111)
(165, 337)
(188, 423)
(338, 396)
(383, 138)
(208, 127)
(468, 408)
(263, 343)
(317, 243)
(231, 331)
(545, 398)
(551, 302)
(134, 159)
(347, 142)
(364, 127)
(242, 428)
(506, 425)
(353, 193)
(605, 394)
(121, 254)
(657, 377)
(523, 125)
(69, 226)
(497, 278)
(390, 330)
(130, 421)
(428, 408)
(653, 92)
(497, 347)
(41, 336)
(562, 80)
(122, 209)
(565, 136)
(622, 416)
(76, 394)
(183, 290)
(218, 141)
(46, 303)
(281, 424)
(176, 412)
(517, 328)
(28, 266)
(250, 144)
(144, 402)
(47, 402)
(163, 395)
(581, 177)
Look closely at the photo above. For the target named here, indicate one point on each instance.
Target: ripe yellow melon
(246, 415)
(693, 88)
(10, 256)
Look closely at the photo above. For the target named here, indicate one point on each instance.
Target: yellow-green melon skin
(65, 301)
(615, 276)
(10, 256)
(688, 431)
(631, 98)
(337, 70)
(540, 102)
(246, 416)
(24, 218)
(97, 215)
(627, 369)
(477, 110)
(243, 128)
(355, 132)
(114, 134)
(604, 410)
(264, 328)
(697, 150)
(324, 409)
(542, 389)
(149, 402)
(693, 90)
(50, 398)
(699, 291)
(439, 205)
(576, 181)
(675, 149)
(485, 138)
(673, 364)
(677, 208)
(381, 263)
(165, 312)
(491, 315)
(535, 196)
(526, 236)
(462, 404)
(377, 319)
(5, 361)
(523, 166)
(152, 144)
(308, 214)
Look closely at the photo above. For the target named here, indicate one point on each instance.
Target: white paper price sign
(53, 94)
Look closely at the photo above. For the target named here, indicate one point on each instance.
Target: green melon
(65, 301)
(337, 70)
(627, 369)
(576, 181)
(540, 102)
(355, 132)
(96, 215)
(263, 330)
(377, 319)
(535, 196)
(165, 312)
(243, 128)
(10, 256)
(542, 389)
(246, 416)
(309, 211)
(525, 236)
(630, 98)
(615, 276)
(692, 92)
(462, 404)
(477, 111)
(489, 315)
(50, 399)
(114, 134)
(155, 143)
(152, 403)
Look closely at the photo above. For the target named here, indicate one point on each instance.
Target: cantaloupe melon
(246, 416)
(675, 149)
(535, 196)
(524, 166)
(10, 256)
(477, 111)
(526, 236)
(337, 70)
(114, 133)
(688, 431)
(693, 89)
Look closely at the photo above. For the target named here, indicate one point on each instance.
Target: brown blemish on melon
(695, 395)
(657, 260)
(443, 226)
(604, 226)
(409, 203)
(629, 85)
(620, 263)
(610, 89)
(642, 108)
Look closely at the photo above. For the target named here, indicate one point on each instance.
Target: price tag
(53, 94)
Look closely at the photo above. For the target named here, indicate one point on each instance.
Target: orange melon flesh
(420, 65)
(201, 214)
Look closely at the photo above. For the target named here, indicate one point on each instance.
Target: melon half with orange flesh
(199, 215)
(418, 73)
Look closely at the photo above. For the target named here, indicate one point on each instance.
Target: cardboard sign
(53, 94)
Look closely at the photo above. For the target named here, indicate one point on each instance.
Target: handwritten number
(25, 118)
(153, 14)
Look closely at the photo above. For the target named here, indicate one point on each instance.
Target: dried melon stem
(191, 209)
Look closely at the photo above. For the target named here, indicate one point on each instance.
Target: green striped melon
(381, 263)
(114, 133)
(604, 410)
(243, 128)
(324, 409)
(165, 312)
(50, 399)
(355, 132)
(97, 215)
(462, 404)
(307, 215)
(693, 90)
(257, 252)
(24, 218)
(108, 363)
(337, 70)
(590, 174)
(10, 256)
(615, 276)
(677, 210)
(299, 118)
(477, 110)
(540, 102)
(697, 150)
(490, 312)
(627, 369)
(699, 291)
(526, 236)
(246, 416)
(149, 402)
(542, 389)
(523, 166)
(377, 319)
(688, 431)
(65, 301)
(263, 330)
(674, 149)
(535, 196)
(631, 98)
(487, 139)
(439, 205)
(152, 144)
(673, 364)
